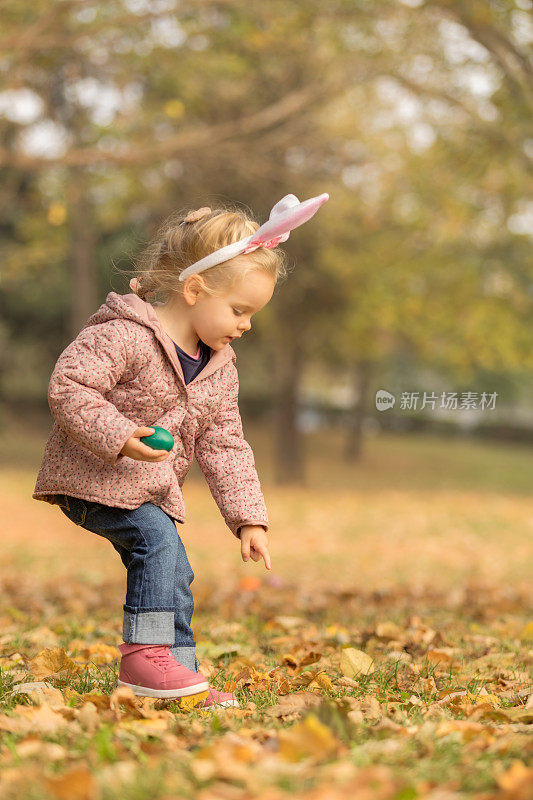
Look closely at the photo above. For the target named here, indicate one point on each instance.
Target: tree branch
(189, 140)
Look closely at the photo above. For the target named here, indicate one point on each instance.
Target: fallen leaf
(293, 704)
(42, 719)
(78, 784)
(152, 727)
(527, 633)
(389, 630)
(355, 662)
(40, 692)
(517, 781)
(309, 738)
(53, 661)
(465, 728)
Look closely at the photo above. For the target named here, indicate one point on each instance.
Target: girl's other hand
(254, 543)
(140, 451)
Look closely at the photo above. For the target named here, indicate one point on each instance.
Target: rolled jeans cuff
(186, 656)
(148, 626)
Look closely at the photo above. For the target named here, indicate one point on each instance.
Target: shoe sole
(186, 692)
(224, 704)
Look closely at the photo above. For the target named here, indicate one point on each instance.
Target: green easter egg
(161, 439)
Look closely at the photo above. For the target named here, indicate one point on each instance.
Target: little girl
(135, 365)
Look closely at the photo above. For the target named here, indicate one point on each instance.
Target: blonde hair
(176, 246)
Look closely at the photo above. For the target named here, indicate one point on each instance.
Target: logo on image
(384, 400)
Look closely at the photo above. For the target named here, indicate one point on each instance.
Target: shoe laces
(161, 656)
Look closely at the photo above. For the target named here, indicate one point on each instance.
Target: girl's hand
(254, 543)
(141, 451)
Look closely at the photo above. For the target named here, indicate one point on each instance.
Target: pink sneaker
(216, 698)
(152, 671)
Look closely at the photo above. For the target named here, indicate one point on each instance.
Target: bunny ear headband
(287, 214)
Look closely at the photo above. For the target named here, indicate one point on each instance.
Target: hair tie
(194, 216)
(135, 285)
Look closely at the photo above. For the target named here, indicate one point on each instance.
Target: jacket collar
(130, 306)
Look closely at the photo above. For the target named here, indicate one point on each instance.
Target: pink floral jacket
(122, 372)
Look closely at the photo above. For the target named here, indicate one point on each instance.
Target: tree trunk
(362, 374)
(83, 257)
(289, 457)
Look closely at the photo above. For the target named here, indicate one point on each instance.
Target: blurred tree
(416, 127)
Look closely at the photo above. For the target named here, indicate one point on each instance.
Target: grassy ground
(387, 654)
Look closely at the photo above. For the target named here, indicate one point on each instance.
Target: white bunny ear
(287, 202)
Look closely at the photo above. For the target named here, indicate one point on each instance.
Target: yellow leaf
(288, 658)
(152, 727)
(491, 699)
(174, 109)
(339, 633)
(356, 662)
(516, 780)
(52, 660)
(527, 633)
(97, 653)
(323, 680)
(307, 738)
(57, 214)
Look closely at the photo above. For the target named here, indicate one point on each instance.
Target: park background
(416, 278)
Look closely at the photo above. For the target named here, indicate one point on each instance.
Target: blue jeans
(159, 603)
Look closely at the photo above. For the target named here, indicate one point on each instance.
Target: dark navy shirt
(192, 366)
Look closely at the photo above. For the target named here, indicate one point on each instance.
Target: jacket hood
(132, 307)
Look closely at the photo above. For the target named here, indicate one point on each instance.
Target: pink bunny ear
(286, 215)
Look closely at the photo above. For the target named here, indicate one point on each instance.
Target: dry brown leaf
(355, 662)
(485, 711)
(40, 692)
(389, 630)
(521, 714)
(451, 698)
(238, 665)
(289, 623)
(152, 727)
(123, 696)
(464, 728)
(88, 717)
(101, 701)
(441, 655)
(289, 659)
(345, 681)
(97, 652)
(27, 718)
(77, 784)
(294, 704)
(53, 661)
(517, 781)
(35, 748)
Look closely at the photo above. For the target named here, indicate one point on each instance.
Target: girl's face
(218, 320)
